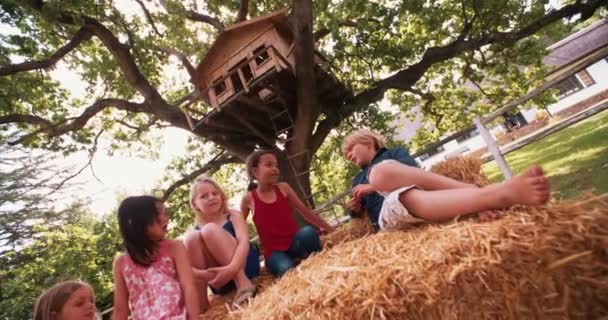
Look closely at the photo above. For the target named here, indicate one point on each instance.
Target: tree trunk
(307, 106)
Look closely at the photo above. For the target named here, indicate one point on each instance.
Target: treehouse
(248, 77)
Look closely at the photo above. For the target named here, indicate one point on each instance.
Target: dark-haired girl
(153, 278)
(271, 203)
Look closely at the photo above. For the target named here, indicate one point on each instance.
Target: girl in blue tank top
(219, 249)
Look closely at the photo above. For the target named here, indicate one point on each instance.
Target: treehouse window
(220, 87)
(261, 55)
(247, 72)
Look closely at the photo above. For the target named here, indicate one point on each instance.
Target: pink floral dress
(154, 291)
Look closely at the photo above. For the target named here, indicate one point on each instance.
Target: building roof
(578, 44)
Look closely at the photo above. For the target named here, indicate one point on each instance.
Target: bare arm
(239, 257)
(186, 280)
(308, 214)
(121, 294)
(246, 205)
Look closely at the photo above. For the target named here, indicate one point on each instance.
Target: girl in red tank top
(272, 203)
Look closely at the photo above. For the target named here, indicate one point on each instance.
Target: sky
(119, 174)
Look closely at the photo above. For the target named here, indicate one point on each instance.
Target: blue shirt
(373, 201)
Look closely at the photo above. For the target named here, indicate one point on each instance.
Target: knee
(308, 233)
(192, 240)
(307, 241)
(279, 264)
(210, 230)
(379, 174)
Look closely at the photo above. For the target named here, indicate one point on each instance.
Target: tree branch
(243, 11)
(155, 102)
(406, 78)
(195, 16)
(57, 129)
(184, 59)
(211, 167)
(148, 17)
(81, 36)
(323, 32)
(89, 163)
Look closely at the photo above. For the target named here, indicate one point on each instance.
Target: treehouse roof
(248, 29)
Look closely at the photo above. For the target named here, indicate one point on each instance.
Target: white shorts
(393, 213)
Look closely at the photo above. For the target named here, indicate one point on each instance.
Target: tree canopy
(447, 61)
(453, 59)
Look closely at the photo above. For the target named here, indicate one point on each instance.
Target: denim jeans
(305, 242)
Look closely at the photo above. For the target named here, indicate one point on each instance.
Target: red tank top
(274, 222)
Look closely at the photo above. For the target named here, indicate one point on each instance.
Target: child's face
(80, 306)
(158, 229)
(361, 154)
(208, 199)
(267, 170)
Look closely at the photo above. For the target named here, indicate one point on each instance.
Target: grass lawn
(575, 159)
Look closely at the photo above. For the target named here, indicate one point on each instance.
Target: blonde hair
(206, 179)
(363, 136)
(53, 299)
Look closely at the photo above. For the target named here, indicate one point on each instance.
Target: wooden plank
(243, 81)
(493, 147)
(255, 104)
(252, 128)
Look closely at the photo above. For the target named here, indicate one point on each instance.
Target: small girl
(219, 247)
(68, 300)
(272, 202)
(153, 278)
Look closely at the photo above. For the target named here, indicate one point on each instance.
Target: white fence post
(493, 147)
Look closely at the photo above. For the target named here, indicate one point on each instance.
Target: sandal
(244, 296)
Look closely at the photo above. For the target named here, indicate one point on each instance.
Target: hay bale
(354, 229)
(542, 262)
(465, 169)
(219, 305)
(535, 262)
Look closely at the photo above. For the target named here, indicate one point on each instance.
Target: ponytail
(252, 185)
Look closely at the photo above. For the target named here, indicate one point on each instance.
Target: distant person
(271, 203)
(219, 247)
(363, 196)
(68, 300)
(414, 195)
(153, 278)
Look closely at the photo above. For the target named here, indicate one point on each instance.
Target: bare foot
(529, 188)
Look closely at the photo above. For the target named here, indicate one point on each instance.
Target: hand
(203, 275)
(361, 191)
(222, 275)
(326, 230)
(354, 205)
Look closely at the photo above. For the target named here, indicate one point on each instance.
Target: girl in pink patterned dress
(153, 279)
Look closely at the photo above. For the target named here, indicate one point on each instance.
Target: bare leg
(530, 188)
(221, 245)
(395, 175)
(196, 252)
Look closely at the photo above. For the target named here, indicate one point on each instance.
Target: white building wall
(599, 72)
(454, 148)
